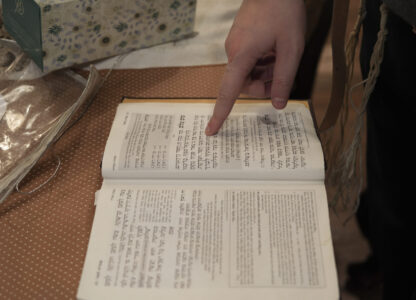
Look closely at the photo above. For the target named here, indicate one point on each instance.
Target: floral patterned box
(62, 33)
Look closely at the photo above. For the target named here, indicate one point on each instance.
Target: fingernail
(279, 103)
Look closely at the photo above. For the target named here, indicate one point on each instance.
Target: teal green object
(22, 19)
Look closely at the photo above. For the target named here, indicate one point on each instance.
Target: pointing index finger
(231, 85)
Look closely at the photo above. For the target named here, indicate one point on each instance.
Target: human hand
(264, 48)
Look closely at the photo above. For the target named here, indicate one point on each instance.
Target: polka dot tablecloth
(44, 236)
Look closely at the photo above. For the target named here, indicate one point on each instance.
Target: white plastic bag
(34, 109)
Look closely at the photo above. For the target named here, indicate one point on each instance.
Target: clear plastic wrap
(34, 109)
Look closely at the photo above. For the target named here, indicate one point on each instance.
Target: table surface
(44, 236)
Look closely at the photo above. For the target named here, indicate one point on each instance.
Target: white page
(167, 140)
(167, 241)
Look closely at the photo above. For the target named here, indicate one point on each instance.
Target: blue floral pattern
(78, 31)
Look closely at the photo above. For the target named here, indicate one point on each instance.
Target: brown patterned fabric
(44, 236)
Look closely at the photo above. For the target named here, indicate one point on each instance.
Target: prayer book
(239, 215)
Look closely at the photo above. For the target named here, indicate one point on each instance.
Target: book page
(166, 241)
(167, 140)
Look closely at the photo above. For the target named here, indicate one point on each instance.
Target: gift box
(61, 33)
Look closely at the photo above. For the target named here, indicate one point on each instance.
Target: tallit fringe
(343, 148)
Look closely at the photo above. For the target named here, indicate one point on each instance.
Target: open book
(239, 215)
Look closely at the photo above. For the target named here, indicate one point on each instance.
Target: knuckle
(231, 67)
(242, 63)
(223, 96)
(282, 82)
